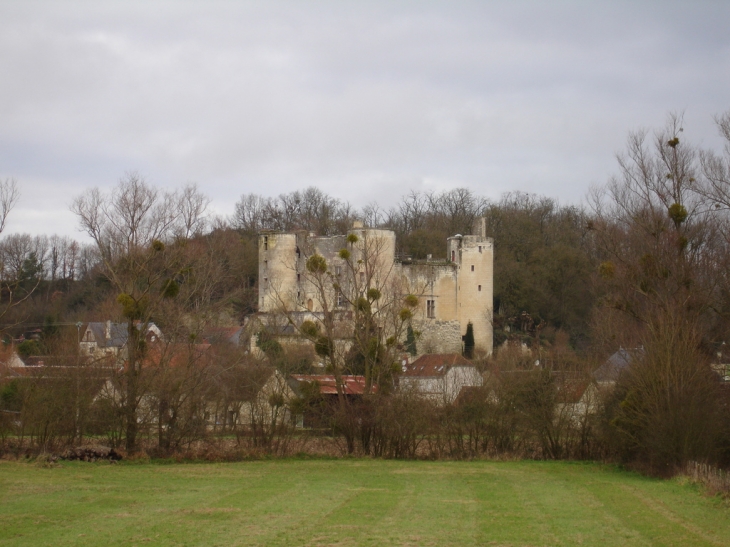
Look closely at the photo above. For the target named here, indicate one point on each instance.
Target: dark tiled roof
(615, 365)
(219, 334)
(436, 364)
(118, 334)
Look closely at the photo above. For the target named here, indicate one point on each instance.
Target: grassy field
(352, 502)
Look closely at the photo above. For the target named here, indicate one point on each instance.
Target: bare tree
(14, 288)
(134, 228)
(193, 207)
(662, 261)
(716, 167)
(9, 195)
(249, 213)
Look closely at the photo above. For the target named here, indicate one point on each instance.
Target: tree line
(641, 266)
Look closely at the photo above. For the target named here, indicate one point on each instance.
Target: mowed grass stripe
(134, 502)
(442, 507)
(571, 513)
(352, 502)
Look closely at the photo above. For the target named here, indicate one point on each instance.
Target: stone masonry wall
(438, 336)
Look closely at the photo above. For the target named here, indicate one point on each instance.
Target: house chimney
(108, 330)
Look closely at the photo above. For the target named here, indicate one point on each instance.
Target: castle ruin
(451, 293)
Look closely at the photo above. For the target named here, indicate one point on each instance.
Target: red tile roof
(352, 385)
(435, 364)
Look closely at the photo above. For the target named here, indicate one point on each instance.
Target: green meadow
(352, 502)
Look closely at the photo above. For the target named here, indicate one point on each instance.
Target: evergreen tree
(469, 341)
(411, 341)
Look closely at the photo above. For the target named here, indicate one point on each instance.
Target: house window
(472, 267)
(480, 288)
(453, 256)
(430, 309)
(266, 243)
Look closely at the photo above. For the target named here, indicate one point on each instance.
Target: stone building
(101, 339)
(451, 293)
(439, 377)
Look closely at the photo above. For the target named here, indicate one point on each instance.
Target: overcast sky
(366, 100)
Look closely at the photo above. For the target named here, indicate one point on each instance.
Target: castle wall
(278, 271)
(451, 293)
(475, 274)
(438, 336)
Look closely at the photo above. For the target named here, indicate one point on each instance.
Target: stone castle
(451, 293)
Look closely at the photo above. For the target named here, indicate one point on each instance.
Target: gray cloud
(365, 100)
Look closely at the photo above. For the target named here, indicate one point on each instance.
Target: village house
(264, 401)
(102, 339)
(313, 389)
(9, 358)
(439, 377)
(608, 373)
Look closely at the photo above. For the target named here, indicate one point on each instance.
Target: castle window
(430, 309)
(453, 256)
(266, 282)
(340, 300)
(472, 267)
(299, 253)
(338, 270)
(266, 265)
(266, 243)
(480, 248)
(480, 288)
(299, 278)
(362, 277)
